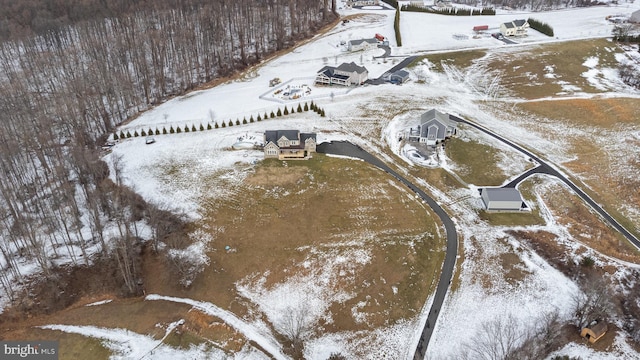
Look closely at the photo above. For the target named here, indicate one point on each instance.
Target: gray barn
(501, 199)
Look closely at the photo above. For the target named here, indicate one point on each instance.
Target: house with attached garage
(502, 199)
(434, 127)
(514, 28)
(346, 74)
(289, 144)
(362, 44)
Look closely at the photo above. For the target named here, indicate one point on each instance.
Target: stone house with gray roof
(289, 144)
(346, 74)
(434, 127)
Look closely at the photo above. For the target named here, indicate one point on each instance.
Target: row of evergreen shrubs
(192, 128)
(449, 11)
(627, 38)
(396, 27)
(540, 26)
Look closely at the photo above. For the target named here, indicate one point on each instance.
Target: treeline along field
(70, 71)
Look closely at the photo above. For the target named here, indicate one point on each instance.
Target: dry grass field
(290, 212)
(585, 226)
(601, 148)
(285, 221)
(288, 222)
(460, 59)
(551, 69)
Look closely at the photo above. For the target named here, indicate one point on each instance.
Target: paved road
(548, 169)
(540, 169)
(349, 149)
(387, 52)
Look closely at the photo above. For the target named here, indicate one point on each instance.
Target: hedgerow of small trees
(393, 3)
(396, 28)
(540, 26)
(449, 11)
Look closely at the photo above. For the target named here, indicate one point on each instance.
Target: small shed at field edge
(501, 199)
(595, 332)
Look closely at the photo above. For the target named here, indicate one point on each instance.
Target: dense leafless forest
(72, 70)
(534, 5)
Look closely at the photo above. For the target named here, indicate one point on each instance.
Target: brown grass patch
(546, 245)
(274, 176)
(523, 71)
(608, 168)
(461, 59)
(511, 266)
(283, 211)
(315, 205)
(473, 160)
(605, 113)
(586, 227)
(282, 215)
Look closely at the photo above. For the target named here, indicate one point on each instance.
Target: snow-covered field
(176, 173)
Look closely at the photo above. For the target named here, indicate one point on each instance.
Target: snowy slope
(193, 157)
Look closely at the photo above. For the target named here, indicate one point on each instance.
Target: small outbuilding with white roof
(501, 199)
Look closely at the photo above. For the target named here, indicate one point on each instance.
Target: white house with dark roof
(434, 127)
(359, 3)
(289, 144)
(346, 74)
(514, 28)
(362, 44)
(501, 199)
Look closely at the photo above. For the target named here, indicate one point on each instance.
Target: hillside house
(289, 144)
(346, 74)
(362, 44)
(635, 17)
(434, 127)
(360, 3)
(514, 28)
(443, 3)
(595, 332)
(501, 199)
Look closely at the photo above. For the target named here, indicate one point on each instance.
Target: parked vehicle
(379, 37)
(275, 81)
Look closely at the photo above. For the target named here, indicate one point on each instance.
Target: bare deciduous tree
(594, 303)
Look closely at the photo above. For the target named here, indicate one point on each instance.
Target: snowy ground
(176, 171)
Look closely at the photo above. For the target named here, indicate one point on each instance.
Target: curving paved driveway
(546, 168)
(349, 149)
